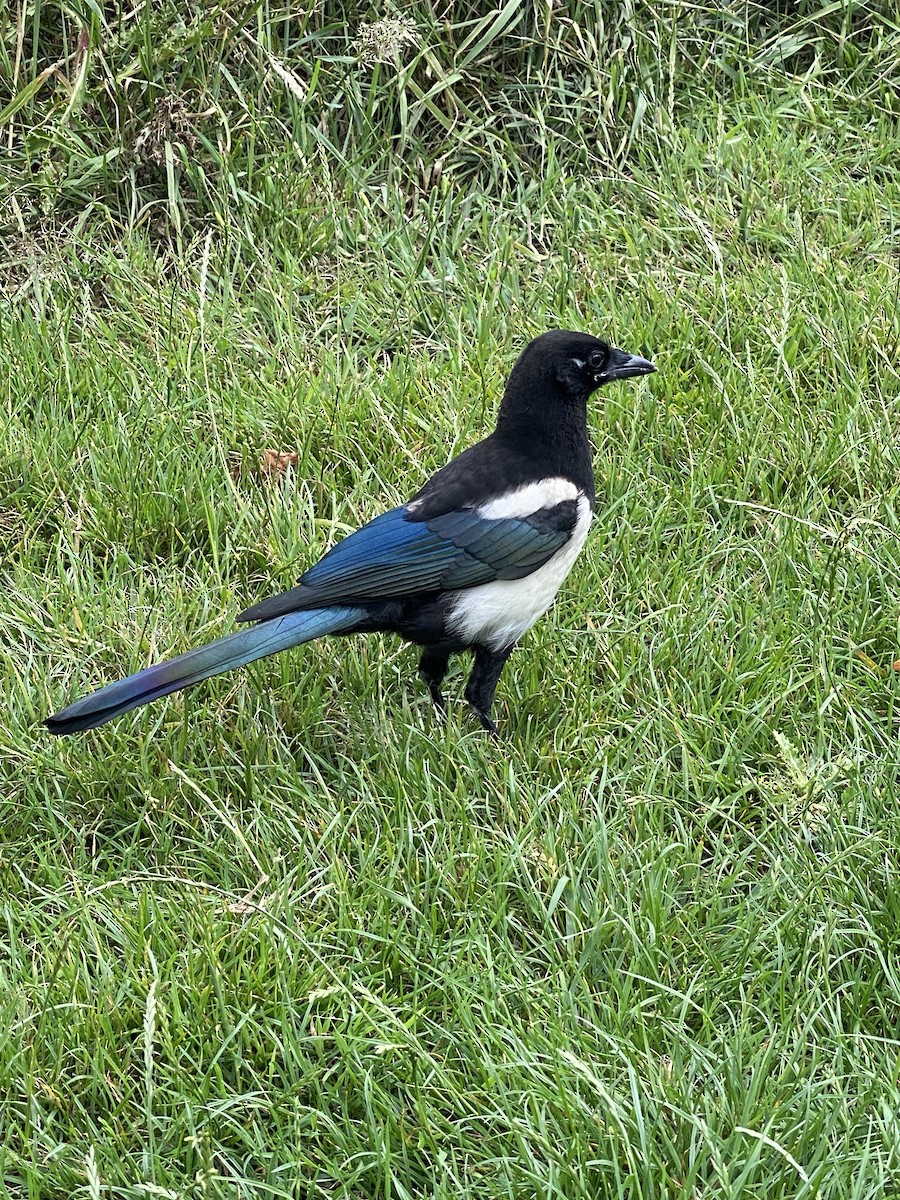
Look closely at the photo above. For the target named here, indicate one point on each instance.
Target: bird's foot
(437, 697)
(432, 669)
(486, 721)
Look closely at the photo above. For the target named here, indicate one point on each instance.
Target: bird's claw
(486, 721)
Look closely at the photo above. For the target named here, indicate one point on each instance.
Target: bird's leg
(483, 683)
(433, 667)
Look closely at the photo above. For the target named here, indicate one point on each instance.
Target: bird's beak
(620, 365)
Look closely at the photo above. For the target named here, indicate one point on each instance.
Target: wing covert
(397, 555)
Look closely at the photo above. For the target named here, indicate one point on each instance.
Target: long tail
(234, 650)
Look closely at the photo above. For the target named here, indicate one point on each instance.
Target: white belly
(497, 614)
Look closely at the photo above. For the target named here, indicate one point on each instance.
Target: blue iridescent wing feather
(395, 555)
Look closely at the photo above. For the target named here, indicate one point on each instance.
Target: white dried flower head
(385, 39)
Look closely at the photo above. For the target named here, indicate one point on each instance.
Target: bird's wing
(397, 555)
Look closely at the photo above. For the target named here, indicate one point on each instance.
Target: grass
(288, 936)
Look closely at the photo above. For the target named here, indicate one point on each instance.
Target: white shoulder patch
(531, 498)
(497, 614)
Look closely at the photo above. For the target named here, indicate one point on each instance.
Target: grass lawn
(289, 936)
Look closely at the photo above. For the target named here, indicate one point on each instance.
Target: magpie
(469, 563)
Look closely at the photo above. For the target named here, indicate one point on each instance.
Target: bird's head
(578, 362)
(545, 401)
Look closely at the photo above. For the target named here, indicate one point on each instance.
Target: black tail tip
(61, 725)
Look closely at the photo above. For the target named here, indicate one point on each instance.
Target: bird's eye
(597, 360)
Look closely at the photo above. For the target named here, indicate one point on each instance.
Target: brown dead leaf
(271, 463)
(276, 462)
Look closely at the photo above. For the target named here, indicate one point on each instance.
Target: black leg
(483, 683)
(433, 668)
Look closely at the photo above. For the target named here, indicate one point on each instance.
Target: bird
(469, 563)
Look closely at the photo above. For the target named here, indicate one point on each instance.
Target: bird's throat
(554, 436)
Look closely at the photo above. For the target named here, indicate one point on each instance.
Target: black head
(543, 416)
(577, 362)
